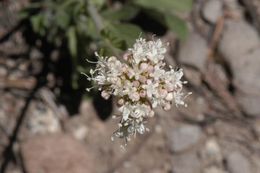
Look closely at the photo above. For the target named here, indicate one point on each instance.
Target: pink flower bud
(136, 83)
(120, 102)
(112, 58)
(169, 96)
(126, 56)
(150, 69)
(151, 114)
(105, 95)
(135, 96)
(130, 73)
(142, 93)
(149, 81)
(163, 93)
(124, 68)
(144, 66)
(142, 79)
(169, 88)
(167, 106)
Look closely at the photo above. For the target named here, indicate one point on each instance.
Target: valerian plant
(70, 24)
(140, 82)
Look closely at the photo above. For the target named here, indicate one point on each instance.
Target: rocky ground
(219, 132)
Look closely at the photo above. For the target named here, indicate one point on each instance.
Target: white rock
(43, 121)
(212, 10)
(80, 132)
(213, 150)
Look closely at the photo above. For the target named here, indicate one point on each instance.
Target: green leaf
(126, 32)
(166, 5)
(37, 24)
(62, 19)
(24, 14)
(111, 42)
(177, 25)
(74, 81)
(72, 41)
(91, 31)
(97, 3)
(123, 14)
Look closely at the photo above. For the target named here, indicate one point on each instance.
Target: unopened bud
(169, 97)
(167, 106)
(105, 95)
(144, 66)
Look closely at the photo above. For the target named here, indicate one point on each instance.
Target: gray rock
(239, 47)
(249, 103)
(246, 70)
(257, 129)
(212, 10)
(235, 7)
(186, 163)
(238, 163)
(3, 71)
(184, 137)
(56, 154)
(197, 107)
(246, 73)
(256, 161)
(221, 74)
(238, 39)
(194, 51)
(193, 76)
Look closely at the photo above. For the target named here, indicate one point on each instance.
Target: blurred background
(50, 124)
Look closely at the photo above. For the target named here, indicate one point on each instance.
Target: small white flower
(140, 85)
(126, 110)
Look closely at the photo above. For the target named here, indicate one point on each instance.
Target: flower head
(140, 83)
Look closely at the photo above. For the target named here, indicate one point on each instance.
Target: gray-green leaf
(126, 32)
(72, 41)
(125, 13)
(177, 25)
(166, 5)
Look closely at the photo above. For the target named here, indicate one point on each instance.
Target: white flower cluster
(140, 83)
